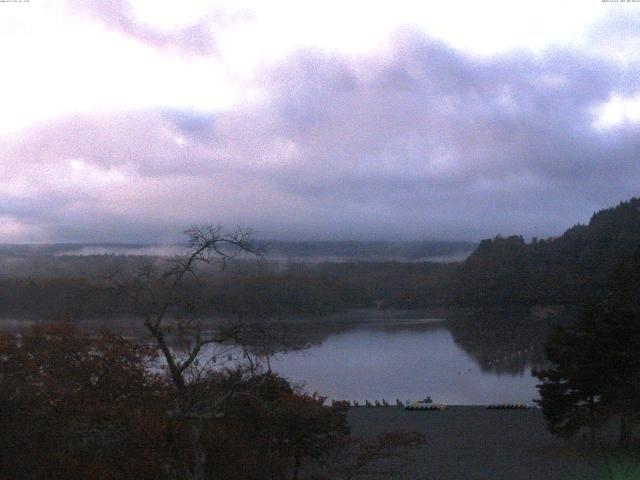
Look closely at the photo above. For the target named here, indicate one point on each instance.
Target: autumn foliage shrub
(77, 406)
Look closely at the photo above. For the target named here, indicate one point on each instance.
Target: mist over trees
(242, 289)
(568, 270)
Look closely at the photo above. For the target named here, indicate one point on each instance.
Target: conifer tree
(595, 372)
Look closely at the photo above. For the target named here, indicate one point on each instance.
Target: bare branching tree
(261, 340)
(167, 296)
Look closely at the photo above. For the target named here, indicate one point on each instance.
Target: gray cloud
(420, 141)
(479, 146)
(118, 15)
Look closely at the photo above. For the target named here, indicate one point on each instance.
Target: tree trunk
(296, 466)
(626, 430)
(592, 424)
(170, 440)
(266, 355)
(199, 452)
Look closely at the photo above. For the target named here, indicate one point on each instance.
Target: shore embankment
(474, 443)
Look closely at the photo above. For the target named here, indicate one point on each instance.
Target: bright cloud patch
(131, 121)
(617, 110)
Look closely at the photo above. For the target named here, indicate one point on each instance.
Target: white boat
(426, 404)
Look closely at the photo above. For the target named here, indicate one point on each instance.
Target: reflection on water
(502, 342)
(472, 358)
(465, 360)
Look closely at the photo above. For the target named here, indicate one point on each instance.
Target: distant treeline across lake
(72, 282)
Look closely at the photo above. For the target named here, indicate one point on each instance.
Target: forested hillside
(570, 269)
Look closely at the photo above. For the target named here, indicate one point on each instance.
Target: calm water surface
(406, 361)
(478, 362)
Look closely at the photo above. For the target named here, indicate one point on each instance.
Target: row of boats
(377, 403)
(428, 404)
(508, 406)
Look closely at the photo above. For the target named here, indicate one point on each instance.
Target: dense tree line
(571, 269)
(246, 291)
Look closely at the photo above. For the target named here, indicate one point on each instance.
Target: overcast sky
(129, 120)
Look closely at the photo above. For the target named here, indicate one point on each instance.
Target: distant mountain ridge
(570, 269)
(305, 251)
(370, 250)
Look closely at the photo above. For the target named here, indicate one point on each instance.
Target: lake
(410, 360)
(481, 358)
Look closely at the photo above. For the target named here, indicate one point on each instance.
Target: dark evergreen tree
(595, 372)
(571, 390)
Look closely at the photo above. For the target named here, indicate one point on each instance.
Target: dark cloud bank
(418, 141)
